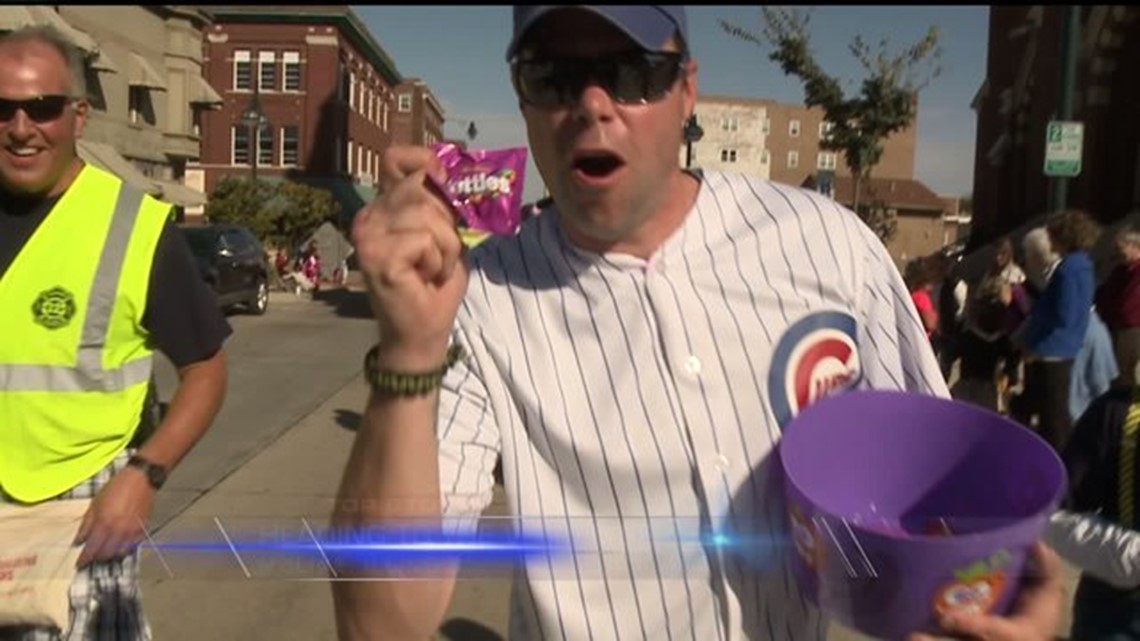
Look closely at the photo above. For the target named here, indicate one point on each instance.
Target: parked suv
(233, 263)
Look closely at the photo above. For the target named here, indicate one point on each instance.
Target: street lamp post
(256, 120)
(472, 131)
(1070, 52)
(693, 133)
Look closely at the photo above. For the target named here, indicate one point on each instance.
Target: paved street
(282, 367)
(271, 465)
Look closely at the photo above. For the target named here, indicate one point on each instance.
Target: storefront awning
(13, 17)
(201, 93)
(106, 157)
(176, 193)
(103, 62)
(143, 74)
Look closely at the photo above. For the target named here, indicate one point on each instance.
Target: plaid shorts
(106, 602)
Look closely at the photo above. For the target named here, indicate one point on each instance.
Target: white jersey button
(693, 365)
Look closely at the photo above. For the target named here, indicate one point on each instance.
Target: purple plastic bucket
(902, 506)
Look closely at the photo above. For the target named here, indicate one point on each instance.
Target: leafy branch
(886, 103)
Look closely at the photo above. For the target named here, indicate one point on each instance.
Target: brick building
(418, 118)
(1021, 94)
(781, 142)
(923, 224)
(734, 137)
(326, 87)
(791, 136)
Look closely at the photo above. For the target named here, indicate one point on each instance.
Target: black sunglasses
(638, 77)
(40, 109)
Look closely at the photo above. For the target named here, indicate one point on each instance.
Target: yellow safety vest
(74, 359)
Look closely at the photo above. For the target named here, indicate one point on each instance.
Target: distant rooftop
(900, 193)
(750, 102)
(340, 15)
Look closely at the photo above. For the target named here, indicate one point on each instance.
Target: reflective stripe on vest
(88, 374)
(1129, 434)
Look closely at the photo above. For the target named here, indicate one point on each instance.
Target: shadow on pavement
(348, 419)
(467, 630)
(345, 303)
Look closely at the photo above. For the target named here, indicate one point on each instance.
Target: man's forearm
(1105, 550)
(201, 390)
(391, 479)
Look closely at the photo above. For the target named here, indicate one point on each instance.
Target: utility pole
(1070, 52)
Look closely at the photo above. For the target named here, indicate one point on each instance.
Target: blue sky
(459, 52)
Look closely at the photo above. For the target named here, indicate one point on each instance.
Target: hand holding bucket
(904, 509)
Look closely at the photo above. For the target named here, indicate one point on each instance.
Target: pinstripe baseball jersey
(636, 404)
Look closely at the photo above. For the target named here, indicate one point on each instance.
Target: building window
(343, 85)
(730, 124)
(264, 146)
(793, 159)
(794, 128)
(825, 130)
(348, 158)
(767, 126)
(239, 148)
(290, 145)
(267, 71)
(359, 159)
(405, 102)
(292, 63)
(243, 70)
(765, 157)
(728, 155)
(827, 160)
(139, 105)
(352, 91)
(384, 116)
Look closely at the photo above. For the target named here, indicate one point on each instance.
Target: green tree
(280, 214)
(887, 101)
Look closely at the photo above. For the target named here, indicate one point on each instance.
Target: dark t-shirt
(181, 314)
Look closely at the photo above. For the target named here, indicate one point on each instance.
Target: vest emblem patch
(54, 308)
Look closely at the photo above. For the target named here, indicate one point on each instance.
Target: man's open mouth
(597, 165)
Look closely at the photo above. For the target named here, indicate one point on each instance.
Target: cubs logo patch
(815, 357)
(54, 308)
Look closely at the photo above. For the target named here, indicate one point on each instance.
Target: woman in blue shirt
(1055, 329)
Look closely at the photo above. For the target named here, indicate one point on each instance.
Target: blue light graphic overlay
(382, 548)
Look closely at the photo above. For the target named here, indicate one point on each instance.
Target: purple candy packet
(484, 186)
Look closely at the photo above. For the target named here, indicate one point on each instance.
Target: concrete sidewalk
(192, 597)
(287, 487)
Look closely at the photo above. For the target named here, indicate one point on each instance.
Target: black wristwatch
(155, 473)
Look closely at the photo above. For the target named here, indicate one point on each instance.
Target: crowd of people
(1038, 342)
(303, 272)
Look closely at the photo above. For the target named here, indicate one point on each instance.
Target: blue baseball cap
(650, 26)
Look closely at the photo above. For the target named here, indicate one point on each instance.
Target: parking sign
(1064, 144)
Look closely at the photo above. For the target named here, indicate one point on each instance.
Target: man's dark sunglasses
(549, 82)
(40, 109)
